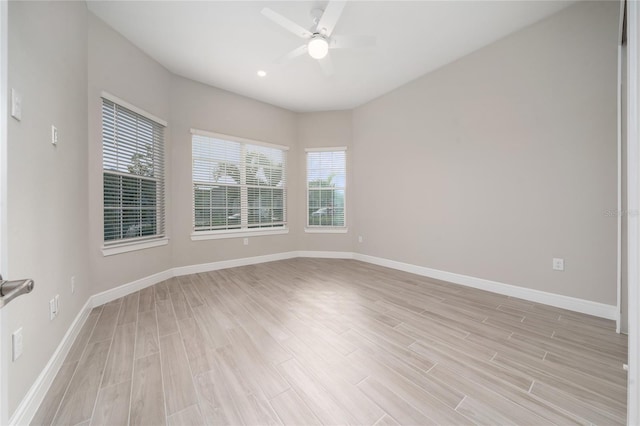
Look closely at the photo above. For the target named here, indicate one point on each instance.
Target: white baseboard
(34, 397)
(559, 301)
(326, 254)
(126, 289)
(224, 264)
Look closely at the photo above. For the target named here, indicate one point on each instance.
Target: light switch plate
(54, 135)
(53, 310)
(16, 104)
(16, 344)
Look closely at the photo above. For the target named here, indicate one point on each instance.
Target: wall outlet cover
(558, 264)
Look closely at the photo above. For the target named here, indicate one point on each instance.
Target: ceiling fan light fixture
(318, 47)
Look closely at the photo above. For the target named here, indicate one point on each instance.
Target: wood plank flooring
(319, 341)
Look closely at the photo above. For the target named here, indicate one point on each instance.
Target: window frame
(326, 229)
(123, 245)
(241, 232)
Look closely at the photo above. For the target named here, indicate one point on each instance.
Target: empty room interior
(319, 212)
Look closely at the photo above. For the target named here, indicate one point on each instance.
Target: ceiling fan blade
(286, 23)
(330, 17)
(326, 65)
(351, 42)
(298, 51)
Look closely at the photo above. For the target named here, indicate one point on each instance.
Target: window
(326, 186)
(238, 185)
(133, 174)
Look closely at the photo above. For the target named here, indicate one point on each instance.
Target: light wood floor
(310, 341)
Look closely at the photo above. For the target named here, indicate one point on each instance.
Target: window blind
(326, 187)
(237, 185)
(133, 175)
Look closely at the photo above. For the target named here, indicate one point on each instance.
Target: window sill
(216, 235)
(326, 230)
(133, 246)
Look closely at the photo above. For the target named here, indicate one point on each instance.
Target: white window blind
(133, 175)
(326, 187)
(237, 185)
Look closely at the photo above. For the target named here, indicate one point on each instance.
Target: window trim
(320, 229)
(236, 233)
(140, 243)
(130, 107)
(236, 139)
(241, 233)
(110, 250)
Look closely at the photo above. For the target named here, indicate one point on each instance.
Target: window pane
(245, 181)
(338, 198)
(111, 190)
(338, 217)
(112, 224)
(148, 223)
(130, 192)
(133, 178)
(326, 185)
(202, 200)
(131, 223)
(148, 191)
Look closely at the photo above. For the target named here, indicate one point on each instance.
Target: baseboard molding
(34, 397)
(132, 287)
(559, 301)
(126, 289)
(29, 405)
(224, 264)
(326, 254)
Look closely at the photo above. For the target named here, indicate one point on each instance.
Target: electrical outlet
(246, 241)
(73, 284)
(57, 299)
(558, 264)
(359, 238)
(16, 344)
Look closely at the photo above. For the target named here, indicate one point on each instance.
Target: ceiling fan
(320, 37)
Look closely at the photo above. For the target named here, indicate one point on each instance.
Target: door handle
(9, 290)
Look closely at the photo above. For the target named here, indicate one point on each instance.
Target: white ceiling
(224, 43)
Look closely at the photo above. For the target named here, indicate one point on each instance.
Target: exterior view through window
(133, 175)
(326, 186)
(237, 185)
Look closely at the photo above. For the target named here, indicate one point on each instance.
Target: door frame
(633, 206)
(4, 101)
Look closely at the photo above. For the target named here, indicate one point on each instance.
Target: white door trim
(4, 346)
(633, 206)
(620, 213)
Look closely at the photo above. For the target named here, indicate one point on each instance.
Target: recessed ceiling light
(261, 73)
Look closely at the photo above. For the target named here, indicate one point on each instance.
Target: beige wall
(496, 163)
(145, 84)
(194, 105)
(321, 130)
(47, 185)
